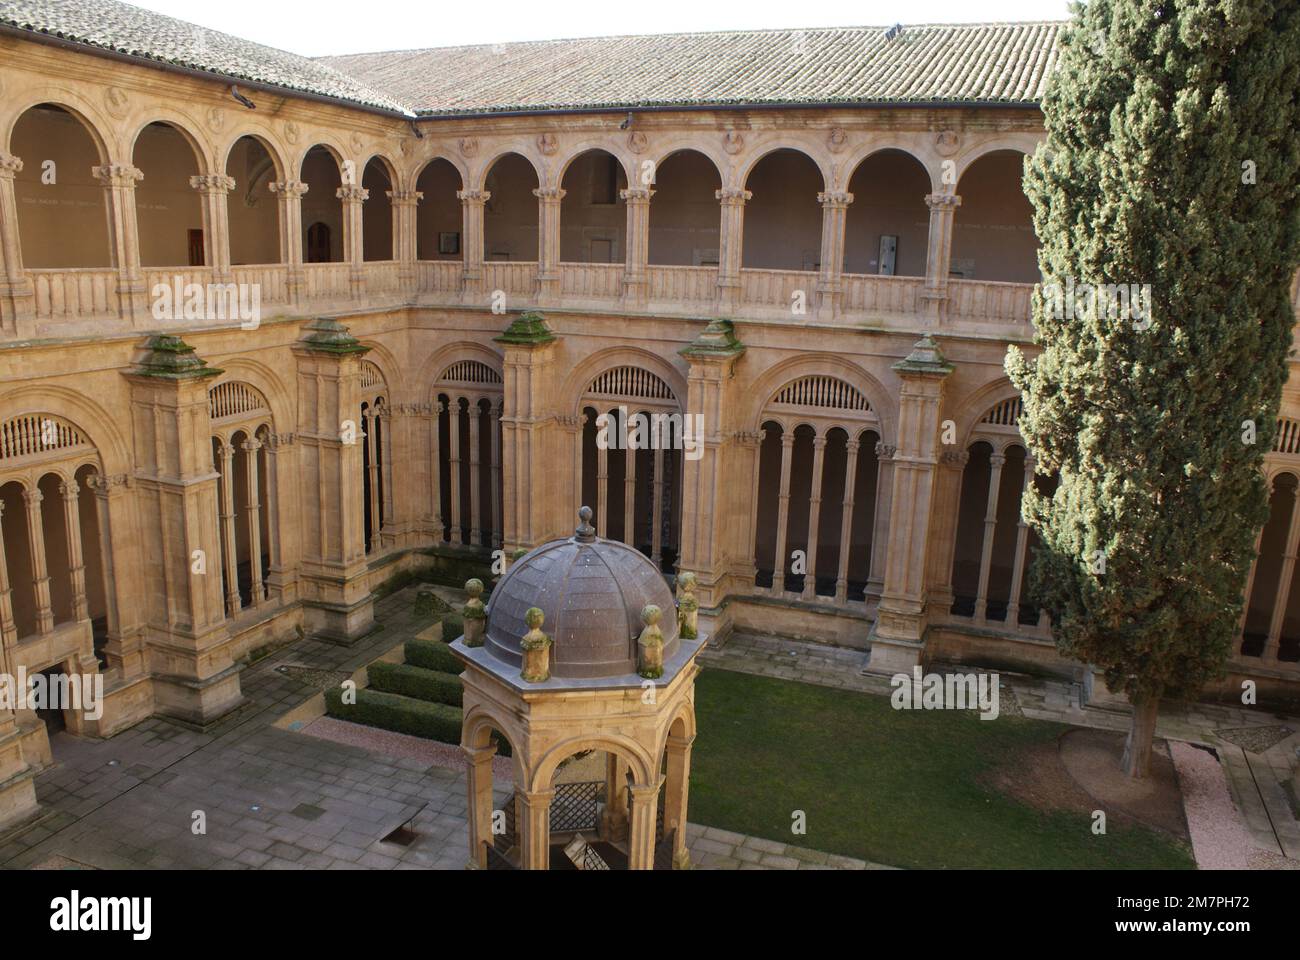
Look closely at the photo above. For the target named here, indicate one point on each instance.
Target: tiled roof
(122, 28)
(995, 63)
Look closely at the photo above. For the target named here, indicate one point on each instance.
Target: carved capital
(839, 199)
(352, 194)
(637, 194)
(404, 198)
(730, 196)
(289, 189)
(954, 458)
(9, 166)
(213, 183)
(479, 197)
(942, 201)
(885, 451)
(118, 175)
(550, 194)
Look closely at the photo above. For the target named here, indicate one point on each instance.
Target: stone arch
(1024, 143)
(183, 124)
(643, 767)
(602, 144)
(481, 175)
(266, 381)
(390, 370)
(89, 115)
(777, 376)
(767, 147)
(330, 146)
(982, 403)
(882, 143)
(415, 170)
(274, 149)
(586, 372)
(432, 370)
(103, 432)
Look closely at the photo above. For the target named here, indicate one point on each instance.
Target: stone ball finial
(536, 648)
(650, 645)
(474, 587)
(535, 617)
(474, 613)
(585, 532)
(650, 614)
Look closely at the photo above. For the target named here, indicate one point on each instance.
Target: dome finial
(585, 533)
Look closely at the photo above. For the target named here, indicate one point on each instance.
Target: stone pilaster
(119, 182)
(472, 203)
(214, 190)
(711, 360)
(731, 245)
(188, 637)
(638, 243)
(120, 553)
(938, 254)
(405, 241)
(289, 193)
(548, 243)
(353, 199)
(898, 635)
(835, 208)
(17, 297)
(336, 597)
(526, 431)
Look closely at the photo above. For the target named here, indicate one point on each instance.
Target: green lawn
(892, 786)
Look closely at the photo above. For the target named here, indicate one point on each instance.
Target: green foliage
(1155, 118)
(432, 655)
(417, 682)
(388, 711)
(429, 604)
(452, 627)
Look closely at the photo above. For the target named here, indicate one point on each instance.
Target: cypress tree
(1171, 160)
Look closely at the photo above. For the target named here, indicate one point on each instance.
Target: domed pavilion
(582, 648)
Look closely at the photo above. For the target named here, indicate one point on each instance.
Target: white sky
(330, 26)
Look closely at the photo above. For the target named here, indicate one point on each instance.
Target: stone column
(40, 575)
(629, 496)
(602, 485)
(405, 204)
(996, 462)
(17, 785)
(478, 785)
(814, 516)
(290, 194)
(783, 512)
(635, 278)
(1022, 540)
(548, 243)
(8, 628)
(644, 801)
(898, 635)
(278, 448)
(254, 517)
(846, 520)
(453, 461)
(657, 508)
(676, 793)
(435, 474)
(118, 181)
(835, 206)
(17, 296)
(613, 819)
(214, 190)
(535, 829)
(731, 245)
(120, 551)
(952, 464)
(475, 476)
(371, 421)
(353, 199)
(938, 254)
(471, 278)
(494, 517)
(76, 560)
(880, 519)
(752, 443)
(229, 554)
(1273, 641)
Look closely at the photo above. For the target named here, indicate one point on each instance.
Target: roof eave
(746, 105)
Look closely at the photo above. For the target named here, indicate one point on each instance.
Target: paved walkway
(1255, 776)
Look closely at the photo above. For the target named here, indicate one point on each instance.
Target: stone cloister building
(275, 330)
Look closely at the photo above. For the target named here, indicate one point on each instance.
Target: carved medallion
(946, 142)
(216, 119)
(733, 141)
(837, 139)
(469, 146)
(637, 141)
(548, 143)
(291, 131)
(115, 98)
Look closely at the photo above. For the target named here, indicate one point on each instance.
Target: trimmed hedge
(453, 627)
(389, 711)
(432, 655)
(417, 682)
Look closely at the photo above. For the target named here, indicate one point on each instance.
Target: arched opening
(251, 208)
(993, 229)
(61, 213)
(1266, 582)
(377, 216)
(168, 209)
(593, 221)
(18, 558)
(783, 220)
(322, 210)
(685, 229)
(241, 452)
(510, 216)
(887, 225)
(438, 218)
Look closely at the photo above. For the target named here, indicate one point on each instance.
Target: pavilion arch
(477, 729)
(685, 227)
(643, 768)
(993, 229)
(776, 377)
(683, 719)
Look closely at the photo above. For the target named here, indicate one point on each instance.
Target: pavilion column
(1022, 540)
(478, 784)
(494, 448)
(453, 459)
(644, 802)
(846, 521)
(435, 471)
(475, 479)
(214, 190)
(676, 792)
(548, 243)
(1273, 641)
(40, 575)
(657, 508)
(8, 627)
(254, 517)
(613, 818)
(118, 181)
(289, 193)
(814, 516)
(629, 496)
(76, 559)
(17, 295)
(353, 198)
(996, 462)
(731, 245)
(638, 243)
(230, 560)
(471, 205)
(898, 635)
(835, 206)
(405, 204)
(938, 254)
(535, 828)
(783, 512)
(372, 472)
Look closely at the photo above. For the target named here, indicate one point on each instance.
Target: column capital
(550, 194)
(942, 201)
(289, 189)
(32, 496)
(835, 199)
(955, 458)
(351, 193)
(637, 194)
(213, 183)
(479, 755)
(117, 174)
(478, 197)
(819, 441)
(252, 444)
(640, 792)
(852, 446)
(9, 166)
(70, 491)
(404, 198)
(997, 459)
(731, 196)
(885, 451)
(787, 438)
